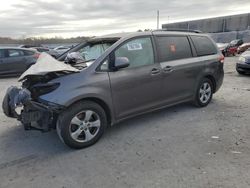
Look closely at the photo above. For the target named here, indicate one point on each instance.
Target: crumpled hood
(46, 64)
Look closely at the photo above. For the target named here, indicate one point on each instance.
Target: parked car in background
(242, 48)
(231, 49)
(117, 77)
(29, 46)
(61, 49)
(236, 42)
(51, 52)
(223, 47)
(14, 61)
(243, 64)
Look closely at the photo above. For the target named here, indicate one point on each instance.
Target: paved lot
(182, 146)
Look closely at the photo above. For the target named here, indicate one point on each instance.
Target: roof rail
(181, 30)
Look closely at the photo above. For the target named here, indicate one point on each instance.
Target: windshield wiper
(89, 60)
(85, 61)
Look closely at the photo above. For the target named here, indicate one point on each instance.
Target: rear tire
(82, 124)
(204, 93)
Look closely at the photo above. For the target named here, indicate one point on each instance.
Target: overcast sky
(71, 18)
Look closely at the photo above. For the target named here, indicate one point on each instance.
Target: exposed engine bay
(24, 104)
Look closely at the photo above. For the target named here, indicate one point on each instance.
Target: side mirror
(73, 58)
(121, 62)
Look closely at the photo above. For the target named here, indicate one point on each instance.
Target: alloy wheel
(205, 92)
(84, 126)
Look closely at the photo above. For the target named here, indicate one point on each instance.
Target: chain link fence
(226, 37)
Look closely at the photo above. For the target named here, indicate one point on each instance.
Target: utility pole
(158, 17)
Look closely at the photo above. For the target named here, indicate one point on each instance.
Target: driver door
(137, 88)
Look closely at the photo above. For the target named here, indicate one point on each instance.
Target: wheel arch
(210, 77)
(100, 102)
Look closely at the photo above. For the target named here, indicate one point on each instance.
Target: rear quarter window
(15, 53)
(28, 53)
(203, 45)
(173, 47)
(42, 50)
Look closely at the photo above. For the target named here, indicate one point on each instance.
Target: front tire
(82, 124)
(240, 72)
(204, 93)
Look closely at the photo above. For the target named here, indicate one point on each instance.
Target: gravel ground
(181, 146)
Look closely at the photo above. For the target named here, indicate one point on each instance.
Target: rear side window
(26, 52)
(15, 53)
(42, 50)
(203, 45)
(173, 47)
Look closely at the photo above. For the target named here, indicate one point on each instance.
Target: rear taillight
(221, 59)
(36, 55)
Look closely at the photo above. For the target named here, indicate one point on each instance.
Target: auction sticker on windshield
(134, 46)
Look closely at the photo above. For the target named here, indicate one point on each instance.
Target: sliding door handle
(168, 69)
(155, 71)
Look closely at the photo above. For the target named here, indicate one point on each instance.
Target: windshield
(90, 49)
(93, 51)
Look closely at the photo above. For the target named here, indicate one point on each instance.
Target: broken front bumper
(38, 115)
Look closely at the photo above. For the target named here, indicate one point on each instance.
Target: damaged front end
(25, 104)
(33, 113)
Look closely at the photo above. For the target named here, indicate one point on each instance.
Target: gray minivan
(119, 76)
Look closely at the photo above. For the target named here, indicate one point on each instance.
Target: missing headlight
(43, 88)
